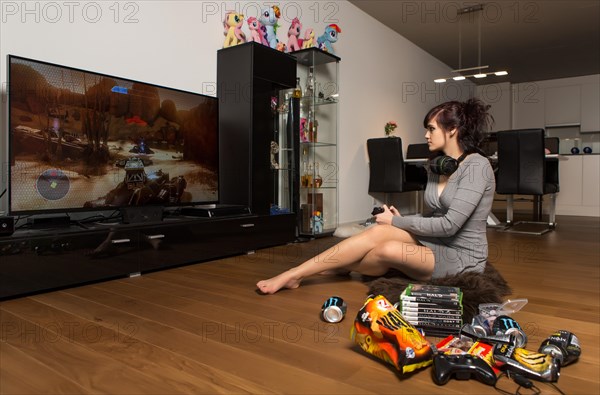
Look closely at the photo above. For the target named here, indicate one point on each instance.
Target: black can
(505, 325)
(333, 309)
(562, 345)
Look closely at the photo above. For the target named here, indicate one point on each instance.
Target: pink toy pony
(256, 31)
(293, 34)
(233, 29)
(309, 39)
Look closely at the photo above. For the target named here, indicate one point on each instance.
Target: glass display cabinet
(317, 91)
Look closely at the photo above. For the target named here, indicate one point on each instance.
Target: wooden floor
(203, 328)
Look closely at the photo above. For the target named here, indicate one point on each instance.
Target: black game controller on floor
(462, 367)
(377, 210)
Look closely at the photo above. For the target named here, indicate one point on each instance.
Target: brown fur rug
(486, 287)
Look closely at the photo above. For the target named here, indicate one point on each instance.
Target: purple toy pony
(293, 34)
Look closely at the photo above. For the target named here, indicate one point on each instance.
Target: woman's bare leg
(349, 254)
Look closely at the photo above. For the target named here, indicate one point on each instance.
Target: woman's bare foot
(286, 279)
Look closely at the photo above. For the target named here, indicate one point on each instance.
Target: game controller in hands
(462, 367)
(377, 210)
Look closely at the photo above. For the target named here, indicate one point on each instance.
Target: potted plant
(390, 127)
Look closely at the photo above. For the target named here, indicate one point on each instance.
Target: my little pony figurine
(309, 39)
(233, 29)
(329, 37)
(317, 221)
(280, 46)
(256, 31)
(269, 19)
(293, 34)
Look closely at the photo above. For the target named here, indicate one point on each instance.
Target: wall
(173, 43)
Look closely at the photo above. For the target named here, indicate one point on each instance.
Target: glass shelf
(317, 144)
(317, 101)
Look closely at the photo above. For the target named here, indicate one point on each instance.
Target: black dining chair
(415, 165)
(523, 169)
(387, 168)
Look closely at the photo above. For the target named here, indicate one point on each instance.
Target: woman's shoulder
(478, 164)
(477, 158)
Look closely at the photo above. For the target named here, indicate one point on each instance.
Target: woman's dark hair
(471, 120)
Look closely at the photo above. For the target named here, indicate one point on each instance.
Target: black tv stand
(49, 221)
(38, 260)
(215, 210)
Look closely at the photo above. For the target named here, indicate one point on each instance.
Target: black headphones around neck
(445, 165)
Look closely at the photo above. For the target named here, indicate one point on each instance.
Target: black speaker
(7, 226)
(138, 215)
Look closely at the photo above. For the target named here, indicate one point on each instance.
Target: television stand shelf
(215, 210)
(38, 260)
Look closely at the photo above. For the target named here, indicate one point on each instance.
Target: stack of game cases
(436, 310)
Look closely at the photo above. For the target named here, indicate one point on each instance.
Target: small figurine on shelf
(233, 29)
(274, 152)
(309, 91)
(297, 94)
(317, 222)
(281, 46)
(318, 180)
(329, 37)
(309, 39)
(304, 130)
(256, 31)
(268, 19)
(293, 33)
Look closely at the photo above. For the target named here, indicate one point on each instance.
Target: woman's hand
(387, 215)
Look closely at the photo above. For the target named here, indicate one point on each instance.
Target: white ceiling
(532, 40)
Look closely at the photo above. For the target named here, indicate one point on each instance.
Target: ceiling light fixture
(479, 73)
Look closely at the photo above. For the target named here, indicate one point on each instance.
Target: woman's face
(436, 137)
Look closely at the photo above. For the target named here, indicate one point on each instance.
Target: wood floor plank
(181, 374)
(223, 356)
(21, 374)
(90, 370)
(292, 341)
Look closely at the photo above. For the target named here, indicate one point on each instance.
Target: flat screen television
(84, 141)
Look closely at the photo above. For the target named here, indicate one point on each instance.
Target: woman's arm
(472, 184)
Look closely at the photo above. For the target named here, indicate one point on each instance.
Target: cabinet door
(31, 264)
(590, 107)
(195, 241)
(591, 182)
(570, 196)
(571, 180)
(528, 106)
(499, 98)
(563, 105)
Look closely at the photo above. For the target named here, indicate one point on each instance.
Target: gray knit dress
(453, 224)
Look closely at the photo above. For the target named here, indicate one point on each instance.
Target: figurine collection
(491, 346)
(263, 30)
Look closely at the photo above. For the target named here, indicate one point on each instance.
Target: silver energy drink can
(562, 345)
(481, 325)
(333, 309)
(507, 326)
